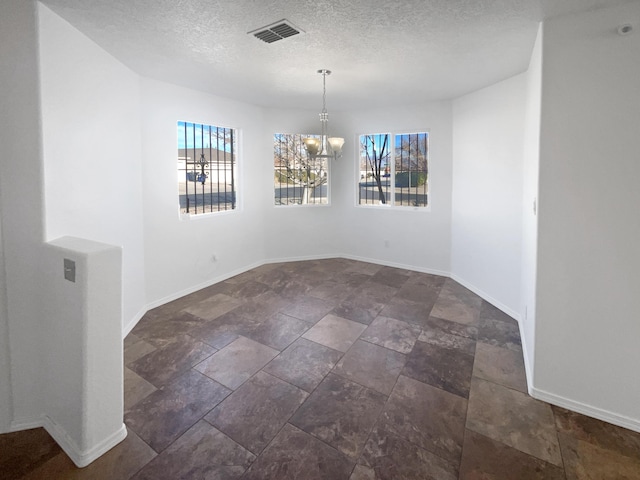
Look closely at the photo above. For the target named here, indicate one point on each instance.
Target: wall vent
(276, 31)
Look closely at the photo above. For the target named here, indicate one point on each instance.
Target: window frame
(327, 184)
(236, 168)
(392, 205)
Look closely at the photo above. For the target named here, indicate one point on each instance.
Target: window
(298, 179)
(394, 169)
(207, 163)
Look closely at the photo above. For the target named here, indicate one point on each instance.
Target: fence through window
(207, 168)
(394, 169)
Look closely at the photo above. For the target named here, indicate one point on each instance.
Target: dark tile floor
(334, 369)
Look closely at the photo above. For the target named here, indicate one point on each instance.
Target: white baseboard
(431, 271)
(485, 296)
(79, 457)
(25, 424)
(588, 410)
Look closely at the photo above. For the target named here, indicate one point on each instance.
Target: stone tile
(296, 455)
(170, 309)
(297, 286)
(452, 328)
(308, 308)
(363, 473)
(24, 451)
(274, 276)
(446, 368)
(278, 331)
(250, 289)
(483, 458)
(597, 432)
(262, 306)
(167, 413)
(418, 293)
(489, 312)
(202, 452)
(586, 461)
(255, 412)
(304, 363)
(214, 306)
(350, 278)
(407, 311)
(335, 332)
(226, 288)
(122, 461)
(353, 310)
(426, 416)
(447, 340)
(372, 366)
(223, 330)
(457, 304)
(135, 348)
(500, 334)
(237, 362)
(135, 388)
(365, 302)
(391, 457)
(393, 277)
(161, 331)
(330, 290)
(524, 423)
(248, 275)
(374, 291)
(433, 282)
(169, 361)
(363, 267)
(391, 333)
(500, 365)
(340, 413)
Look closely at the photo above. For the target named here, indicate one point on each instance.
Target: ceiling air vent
(276, 31)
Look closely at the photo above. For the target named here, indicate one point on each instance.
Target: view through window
(298, 179)
(394, 169)
(207, 168)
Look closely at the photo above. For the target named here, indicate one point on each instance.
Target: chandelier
(325, 146)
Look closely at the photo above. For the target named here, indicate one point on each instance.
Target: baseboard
(134, 321)
(25, 424)
(588, 410)
(485, 296)
(414, 268)
(528, 368)
(187, 291)
(79, 457)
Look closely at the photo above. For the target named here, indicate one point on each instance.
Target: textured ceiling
(381, 52)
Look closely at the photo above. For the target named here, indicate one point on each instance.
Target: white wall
(91, 145)
(587, 328)
(295, 231)
(6, 397)
(416, 238)
(530, 161)
(487, 192)
(82, 366)
(178, 253)
(22, 216)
